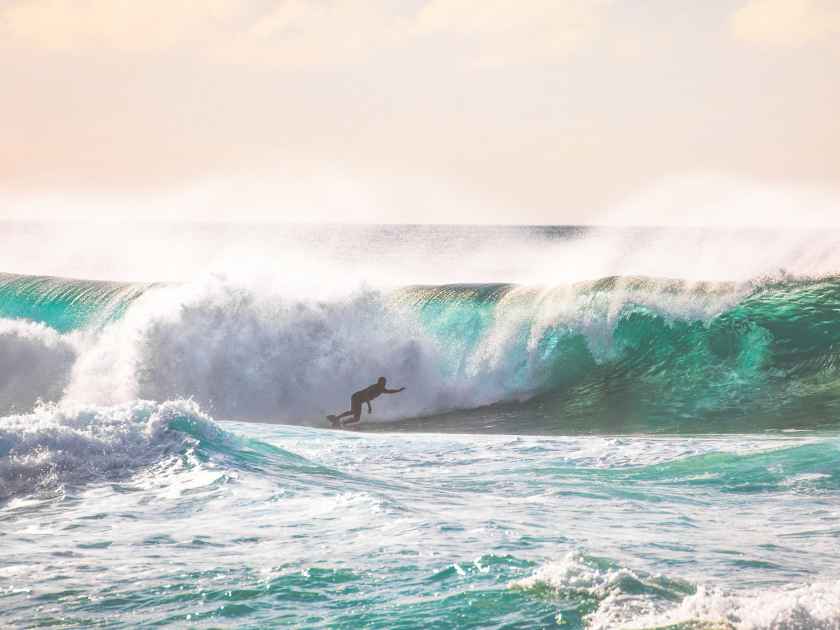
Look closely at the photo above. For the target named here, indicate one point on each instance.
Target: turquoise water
(64, 304)
(251, 525)
(631, 451)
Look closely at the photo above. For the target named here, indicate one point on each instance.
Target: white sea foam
(807, 607)
(623, 598)
(35, 363)
(580, 576)
(251, 346)
(60, 444)
(261, 354)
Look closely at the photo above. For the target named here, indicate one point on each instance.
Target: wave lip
(63, 303)
(62, 445)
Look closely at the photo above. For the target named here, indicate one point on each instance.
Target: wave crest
(612, 596)
(62, 445)
(617, 354)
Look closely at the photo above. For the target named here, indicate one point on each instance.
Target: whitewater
(626, 428)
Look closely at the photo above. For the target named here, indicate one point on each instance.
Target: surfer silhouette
(363, 396)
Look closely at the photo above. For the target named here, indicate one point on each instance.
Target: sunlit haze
(436, 111)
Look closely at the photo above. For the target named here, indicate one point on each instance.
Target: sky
(722, 112)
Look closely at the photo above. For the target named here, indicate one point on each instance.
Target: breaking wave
(617, 353)
(608, 595)
(61, 446)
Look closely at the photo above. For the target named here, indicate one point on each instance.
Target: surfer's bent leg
(355, 410)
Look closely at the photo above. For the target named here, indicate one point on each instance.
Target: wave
(650, 354)
(807, 468)
(620, 353)
(609, 595)
(57, 447)
(64, 304)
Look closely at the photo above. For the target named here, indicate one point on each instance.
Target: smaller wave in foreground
(57, 447)
(607, 596)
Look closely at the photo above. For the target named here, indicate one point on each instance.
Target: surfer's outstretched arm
(393, 391)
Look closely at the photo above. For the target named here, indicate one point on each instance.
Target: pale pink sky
(492, 111)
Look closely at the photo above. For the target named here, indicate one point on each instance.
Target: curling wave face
(621, 353)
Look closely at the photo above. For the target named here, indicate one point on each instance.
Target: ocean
(601, 428)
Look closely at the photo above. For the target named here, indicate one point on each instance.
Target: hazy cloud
(787, 22)
(408, 110)
(152, 25)
(510, 30)
(304, 32)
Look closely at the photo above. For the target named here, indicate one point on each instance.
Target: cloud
(511, 30)
(62, 25)
(294, 32)
(304, 32)
(786, 23)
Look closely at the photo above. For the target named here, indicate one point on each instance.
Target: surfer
(363, 396)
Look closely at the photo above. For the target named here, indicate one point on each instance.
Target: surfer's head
(381, 381)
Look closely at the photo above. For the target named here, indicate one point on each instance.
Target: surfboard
(337, 424)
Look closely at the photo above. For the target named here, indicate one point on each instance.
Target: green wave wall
(646, 354)
(65, 304)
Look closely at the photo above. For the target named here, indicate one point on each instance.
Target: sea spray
(58, 446)
(627, 353)
(35, 363)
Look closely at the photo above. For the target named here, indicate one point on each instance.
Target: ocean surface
(601, 428)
